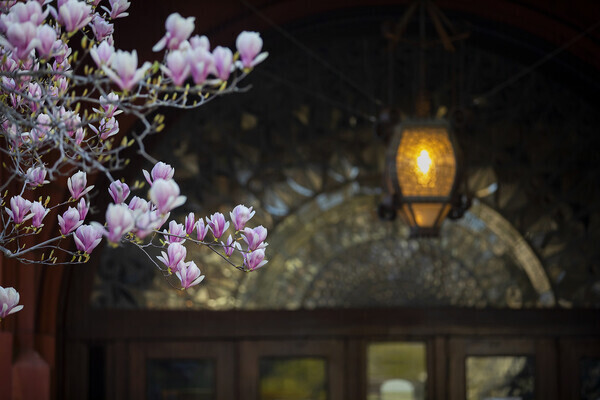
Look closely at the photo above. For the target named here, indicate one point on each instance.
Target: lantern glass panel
(425, 215)
(425, 162)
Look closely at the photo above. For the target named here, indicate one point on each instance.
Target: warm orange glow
(424, 162)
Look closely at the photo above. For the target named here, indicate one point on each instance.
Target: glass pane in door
(500, 378)
(396, 371)
(169, 379)
(292, 378)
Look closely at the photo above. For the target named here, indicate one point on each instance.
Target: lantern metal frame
(452, 205)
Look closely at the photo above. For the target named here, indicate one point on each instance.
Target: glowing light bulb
(424, 162)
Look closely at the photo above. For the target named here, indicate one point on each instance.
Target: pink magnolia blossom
(138, 204)
(69, 221)
(178, 30)
(255, 259)
(165, 195)
(46, 38)
(21, 38)
(35, 92)
(249, 45)
(39, 212)
(74, 15)
(42, 127)
(108, 127)
(118, 8)
(189, 274)
(240, 216)
(103, 54)
(79, 136)
(147, 222)
(198, 41)
(23, 12)
(19, 208)
(178, 67)
(119, 191)
(83, 207)
(189, 223)
(223, 62)
(87, 237)
(124, 71)
(217, 224)
(176, 231)
(175, 254)
(36, 176)
(201, 229)
(119, 221)
(61, 51)
(202, 63)
(229, 246)
(159, 171)
(101, 28)
(109, 105)
(9, 298)
(255, 238)
(77, 185)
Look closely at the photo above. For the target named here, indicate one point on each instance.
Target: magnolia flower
(174, 255)
(146, 222)
(118, 8)
(19, 208)
(103, 54)
(42, 127)
(119, 221)
(77, 185)
(255, 259)
(177, 233)
(201, 62)
(46, 38)
(74, 15)
(223, 61)
(217, 224)
(109, 105)
(178, 30)
(36, 176)
(101, 28)
(125, 72)
(249, 45)
(229, 246)
(189, 223)
(189, 274)
(35, 92)
(9, 298)
(178, 67)
(165, 195)
(83, 207)
(200, 42)
(108, 127)
(38, 212)
(255, 238)
(21, 38)
(159, 171)
(119, 191)
(69, 221)
(27, 12)
(201, 229)
(87, 237)
(240, 216)
(138, 204)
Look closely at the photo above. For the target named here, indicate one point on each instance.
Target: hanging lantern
(421, 176)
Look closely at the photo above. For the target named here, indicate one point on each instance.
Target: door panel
(182, 371)
(292, 370)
